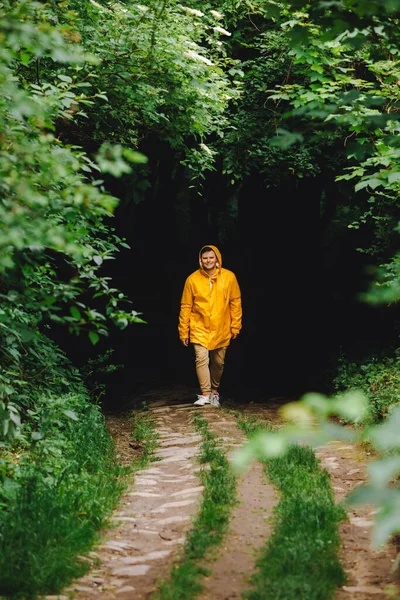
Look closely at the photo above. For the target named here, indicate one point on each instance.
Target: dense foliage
(59, 483)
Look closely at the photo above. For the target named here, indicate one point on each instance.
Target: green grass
(62, 495)
(146, 438)
(219, 496)
(301, 558)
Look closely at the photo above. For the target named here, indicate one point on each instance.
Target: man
(210, 317)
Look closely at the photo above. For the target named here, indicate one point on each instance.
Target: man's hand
(234, 336)
(185, 342)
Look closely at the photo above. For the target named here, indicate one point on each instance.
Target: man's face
(208, 260)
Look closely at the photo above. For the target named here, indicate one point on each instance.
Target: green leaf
(94, 337)
(386, 435)
(284, 139)
(383, 470)
(15, 418)
(393, 176)
(71, 414)
(27, 334)
(386, 525)
(75, 313)
(352, 405)
(65, 78)
(367, 183)
(134, 156)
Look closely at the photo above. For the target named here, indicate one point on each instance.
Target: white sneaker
(202, 400)
(214, 400)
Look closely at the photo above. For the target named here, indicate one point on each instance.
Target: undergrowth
(54, 498)
(56, 495)
(377, 377)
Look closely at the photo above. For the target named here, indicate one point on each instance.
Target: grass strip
(301, 558)
(219, 496)
(62, 495)
(145, 438)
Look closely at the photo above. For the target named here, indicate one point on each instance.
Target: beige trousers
(209, 367)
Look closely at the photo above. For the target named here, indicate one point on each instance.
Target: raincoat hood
(211, 309)
(217, 254)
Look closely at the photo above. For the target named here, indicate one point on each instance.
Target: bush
(54, 496)
(378, 377)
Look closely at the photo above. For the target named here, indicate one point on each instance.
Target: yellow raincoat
(211, 307)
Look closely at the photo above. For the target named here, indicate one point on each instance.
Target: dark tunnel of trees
(300, 292)
(269, 131)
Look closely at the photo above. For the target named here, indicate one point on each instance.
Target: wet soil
(146, 534)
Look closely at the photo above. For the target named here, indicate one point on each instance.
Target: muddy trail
(147, 531)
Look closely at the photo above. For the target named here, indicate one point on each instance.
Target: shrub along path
(147, 533)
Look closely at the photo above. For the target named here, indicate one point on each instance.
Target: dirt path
(148, 530)
(249, 527)
(149, 527)
(369, 571)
